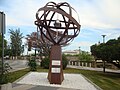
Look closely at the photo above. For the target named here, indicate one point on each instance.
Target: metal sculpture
(56, 24)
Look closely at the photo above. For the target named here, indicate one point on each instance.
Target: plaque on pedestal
(56, 62)
(55, 70)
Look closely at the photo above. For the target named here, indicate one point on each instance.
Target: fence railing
(82, 63)
(93, 64)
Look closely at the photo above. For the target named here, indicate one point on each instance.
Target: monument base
(55, 75)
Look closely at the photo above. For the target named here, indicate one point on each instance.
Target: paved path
(14, 86)
(94, 69)
(74, 81)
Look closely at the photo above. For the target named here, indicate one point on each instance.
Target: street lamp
(103, 38)
(22, 50)
(103, 60)
(2, 31)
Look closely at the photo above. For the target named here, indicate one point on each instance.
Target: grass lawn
(107, 81)
(13, 76)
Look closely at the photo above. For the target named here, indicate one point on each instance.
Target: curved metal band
(58, 11)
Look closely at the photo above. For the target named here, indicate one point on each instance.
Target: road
(17, 64)
(93, 69)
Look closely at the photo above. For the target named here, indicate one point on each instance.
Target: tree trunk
(104, 66)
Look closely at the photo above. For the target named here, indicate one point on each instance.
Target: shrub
(85, 56)
(4, 76)
(32, 64)
(45, 63)
(64, 61)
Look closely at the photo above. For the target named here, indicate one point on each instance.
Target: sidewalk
(14, 86)
(94, 69)
(39, 81)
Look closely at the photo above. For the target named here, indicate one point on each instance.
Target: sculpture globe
(57, 24)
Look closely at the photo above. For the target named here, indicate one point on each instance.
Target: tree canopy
(16, 41)
(85, 56)
(109, 51)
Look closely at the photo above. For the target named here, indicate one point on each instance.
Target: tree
(33, 41)
(5, 45)
(8, 51)
(85, 56)
(16, 41)
(109, 51)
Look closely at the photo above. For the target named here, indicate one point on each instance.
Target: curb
(21, 77)
(18, 69)
(96, 86)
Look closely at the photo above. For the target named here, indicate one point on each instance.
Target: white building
(71, 52)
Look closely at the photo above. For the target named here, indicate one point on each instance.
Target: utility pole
(103, 60)
(2, 31)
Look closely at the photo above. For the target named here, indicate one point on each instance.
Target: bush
(45, 62)
(64, 61)
(3, 78)
(32, 64)
(85, 56)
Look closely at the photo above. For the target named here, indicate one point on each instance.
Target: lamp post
(103, 38)
(22, 51)
(103, 60)
(2, 31)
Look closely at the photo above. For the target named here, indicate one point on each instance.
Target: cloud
(97, 17)
(103, 14)
(22, 12)
(84, 45)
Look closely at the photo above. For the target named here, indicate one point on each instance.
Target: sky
(97, 17)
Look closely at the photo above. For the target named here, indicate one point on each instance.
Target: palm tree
(16, 42)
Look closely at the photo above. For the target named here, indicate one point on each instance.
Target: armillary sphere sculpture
(56, 23)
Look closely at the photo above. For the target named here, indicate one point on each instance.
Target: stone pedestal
(55, 75)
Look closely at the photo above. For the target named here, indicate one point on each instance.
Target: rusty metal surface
(47, 16)
(56, 55)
